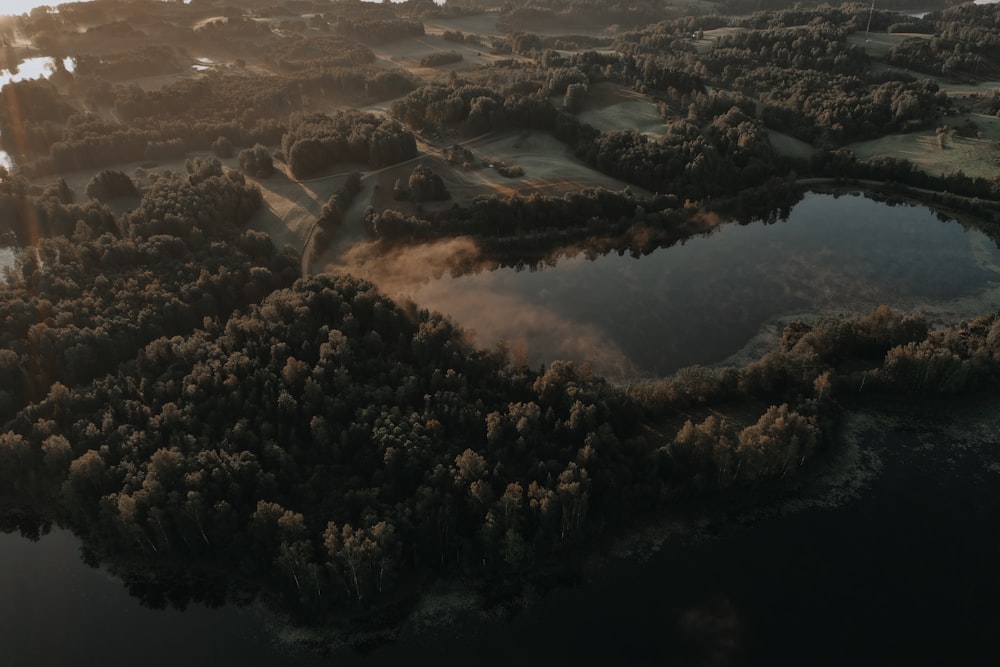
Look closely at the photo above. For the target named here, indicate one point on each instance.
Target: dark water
(908, 573)
(702, 301)
(54, 610)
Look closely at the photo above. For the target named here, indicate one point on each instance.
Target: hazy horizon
(18, 7)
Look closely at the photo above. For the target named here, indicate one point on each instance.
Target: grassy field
(789, 146)
(291, 207)
(976, 156)
(482, 24)
(878, 44)
(711, 37)
(407, 53)
(548, 169)
(613, 107)
(548, 166)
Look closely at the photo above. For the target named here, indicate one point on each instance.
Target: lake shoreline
(840, 478)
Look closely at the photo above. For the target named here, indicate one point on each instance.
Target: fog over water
(702, 301)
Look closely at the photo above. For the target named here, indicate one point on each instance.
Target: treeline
(532, 231)
(963, 45)
(844, 164)
(600, 212)
(569, 17)
(947, 57)
(29, 212)
(332, 215)
(439, 58)
(829, 111)
(89, 295)
(850, 361)
(140, 62)
(316, 142)
(379, 31)
(50, 136)
(334, 445)
(295, 54)
(812, 83)
(718, 147)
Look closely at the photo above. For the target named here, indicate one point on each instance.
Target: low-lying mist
(531, 325)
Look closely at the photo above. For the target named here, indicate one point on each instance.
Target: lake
(702, 301)
(33, 68)
(902, 573)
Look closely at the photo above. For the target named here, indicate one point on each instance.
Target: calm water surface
(30, 68)
(700, 302)
(54, 610)
(33, 68)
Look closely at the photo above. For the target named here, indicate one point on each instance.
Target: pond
(33, 68)
(906, 571)
(702, 301)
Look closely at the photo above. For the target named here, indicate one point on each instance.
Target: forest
(173, 395)
(180, 393)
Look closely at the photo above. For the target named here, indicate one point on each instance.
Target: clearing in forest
(613, 107)
(974, 155)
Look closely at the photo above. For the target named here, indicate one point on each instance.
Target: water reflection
(33, 68)
(701, 301)
(30, 68)
(833, 253)
(54, 609)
